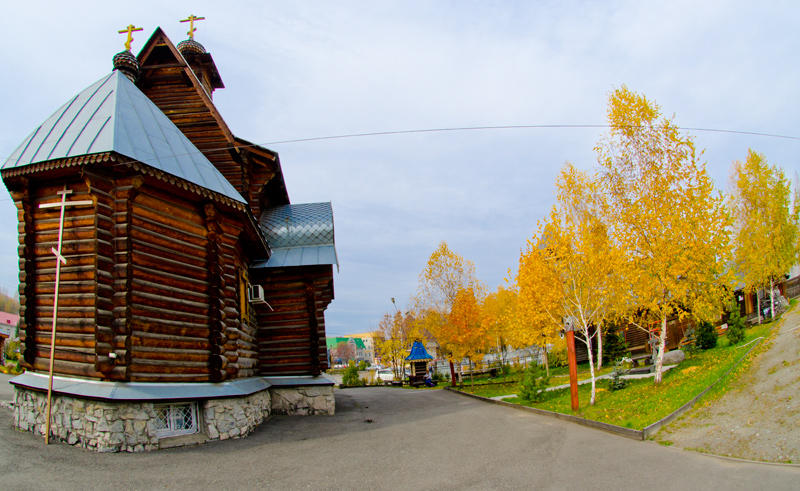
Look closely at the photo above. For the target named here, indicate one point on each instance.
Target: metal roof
(299, 235)
(418, 353)
(142, 391)
(113, 115)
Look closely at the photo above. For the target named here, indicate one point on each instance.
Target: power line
(473, 128)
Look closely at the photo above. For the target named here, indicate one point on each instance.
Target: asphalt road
(385, 438)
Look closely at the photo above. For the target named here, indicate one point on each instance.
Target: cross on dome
(130, 30)
(192, 28)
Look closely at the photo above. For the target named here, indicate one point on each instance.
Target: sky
(315, 69)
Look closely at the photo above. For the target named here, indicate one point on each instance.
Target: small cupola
(199, 59)
(125, 61)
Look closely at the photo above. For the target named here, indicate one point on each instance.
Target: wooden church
(184, 289)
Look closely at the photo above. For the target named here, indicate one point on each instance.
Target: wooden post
(59, 260)
(573, 368)
(452, 375)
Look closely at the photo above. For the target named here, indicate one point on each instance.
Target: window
(176, 419)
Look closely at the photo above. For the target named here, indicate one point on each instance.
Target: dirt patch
(757, 419)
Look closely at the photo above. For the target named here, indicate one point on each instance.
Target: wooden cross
(130, 30)
(59, 260)
(191, 20)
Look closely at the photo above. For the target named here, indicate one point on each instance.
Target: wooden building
(189, 280)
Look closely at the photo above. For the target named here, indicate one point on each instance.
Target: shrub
(362, 365)
(534, 384)
(735, 327)
(614, 345)
(616, 382)
(557, 357)
(350, 376)
(706, 336)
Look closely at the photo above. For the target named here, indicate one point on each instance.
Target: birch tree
(568, 269)
(444, 277)
(664, 211)
(766, 223)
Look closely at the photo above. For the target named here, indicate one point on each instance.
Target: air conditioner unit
(255, 294)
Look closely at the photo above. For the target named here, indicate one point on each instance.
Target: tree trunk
(758, 306)
(772, 298)
(662, 343)
(471, 376)
(591, 364)
(546, 364)
(599, 347)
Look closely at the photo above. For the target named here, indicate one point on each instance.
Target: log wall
(150, 290)
(291, 337)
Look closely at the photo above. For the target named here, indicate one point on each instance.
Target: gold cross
(130, 30)
(191, 20)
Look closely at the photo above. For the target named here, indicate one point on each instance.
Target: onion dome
(191, 46)
(127, 64)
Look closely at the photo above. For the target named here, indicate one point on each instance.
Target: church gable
(180, 81)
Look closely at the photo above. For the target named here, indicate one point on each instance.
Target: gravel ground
(758, 419)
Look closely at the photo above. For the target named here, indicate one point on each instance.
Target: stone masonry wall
(105, 426)
(303, 401)
(231, 418)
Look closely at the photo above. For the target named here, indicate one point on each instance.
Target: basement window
(176, 419)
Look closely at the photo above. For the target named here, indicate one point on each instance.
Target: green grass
(642, 402)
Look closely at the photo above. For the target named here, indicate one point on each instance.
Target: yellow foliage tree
(498, 313)
(766, 223)
(569, 267)
(445, 275)
(465, 334)
(393, 339)
(665, 213)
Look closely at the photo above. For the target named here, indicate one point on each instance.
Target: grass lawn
(642, 402)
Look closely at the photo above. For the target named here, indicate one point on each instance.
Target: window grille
(176, 419)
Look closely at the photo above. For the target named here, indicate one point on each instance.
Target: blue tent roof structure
(113, 115)
(418, 353)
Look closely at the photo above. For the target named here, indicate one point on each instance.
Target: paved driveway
(415, 440)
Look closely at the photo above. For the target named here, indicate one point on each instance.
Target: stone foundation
(110, 426)
(303, 401)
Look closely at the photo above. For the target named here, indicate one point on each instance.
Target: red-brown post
(573, 368)
(452, 375)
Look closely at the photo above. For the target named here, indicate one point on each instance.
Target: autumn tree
(498, 312)
(396, 333)
(344, 352)
(664, 211)
(445, 275)
(464, 335)
(766, 223)
(569, 267)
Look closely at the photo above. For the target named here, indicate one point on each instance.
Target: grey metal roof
(142, 391)
(113, 115)
(299, 235)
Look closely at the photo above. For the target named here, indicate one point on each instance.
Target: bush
(617, 382)
(534, 384)
(362, 365)
(706, 336)
(557, 357)
(350, 376)
(614, 345)
(735, 327)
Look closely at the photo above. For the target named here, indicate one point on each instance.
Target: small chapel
(170, 292)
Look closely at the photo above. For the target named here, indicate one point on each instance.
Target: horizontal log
(172, 377)
(158, 340)
(66, 340)
(74, 355)
(189, 285)
(178, 268)
(167, 368)
(169, 354)
(155, 326)
(153, 288)
(167, 315)
(67, 368)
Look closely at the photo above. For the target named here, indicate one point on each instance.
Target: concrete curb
(619, 430)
